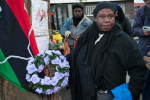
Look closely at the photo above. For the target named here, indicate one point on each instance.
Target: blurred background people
(141, 28)
(141, 20)
(122, 21)
(73, 27)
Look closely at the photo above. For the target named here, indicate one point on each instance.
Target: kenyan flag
(14, 39)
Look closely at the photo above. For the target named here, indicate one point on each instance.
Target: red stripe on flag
(17, 8)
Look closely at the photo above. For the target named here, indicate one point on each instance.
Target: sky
(138, 1)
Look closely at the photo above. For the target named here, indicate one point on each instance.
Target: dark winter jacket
(125, 26)
(105, 65)
(142, 19)
(122, 21)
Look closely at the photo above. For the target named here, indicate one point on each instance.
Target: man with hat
(73, 27)
(103, 56)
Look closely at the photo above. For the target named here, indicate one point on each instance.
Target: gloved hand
(122, 92)
(67, 33)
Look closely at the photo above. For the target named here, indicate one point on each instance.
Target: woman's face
(105, 19)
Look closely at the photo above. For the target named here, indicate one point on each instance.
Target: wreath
(47, 72)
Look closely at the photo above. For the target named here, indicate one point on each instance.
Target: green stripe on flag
(7, 73)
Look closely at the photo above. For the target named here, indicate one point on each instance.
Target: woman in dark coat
(122, 21)
(103, 56)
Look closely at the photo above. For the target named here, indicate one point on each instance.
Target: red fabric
(18, 9)
(75, 43)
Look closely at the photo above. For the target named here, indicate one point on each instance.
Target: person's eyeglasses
(111, 16)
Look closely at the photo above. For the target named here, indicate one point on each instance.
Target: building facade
(64, 10)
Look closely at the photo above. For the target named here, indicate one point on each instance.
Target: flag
(14, 39)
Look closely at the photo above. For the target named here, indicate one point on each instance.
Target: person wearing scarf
(103, 56)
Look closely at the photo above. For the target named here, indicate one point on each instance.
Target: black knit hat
(102, 5)
(78, 5)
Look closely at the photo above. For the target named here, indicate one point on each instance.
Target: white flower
(39, 90)
(56, 52)
(35, 79)
(45, 81)
(49, 91)
(54, 81)
(64, 64)
(49, 52)
(56, 61)
(46, 60)
(58, 75)
(31, 68)
(40, 68)
(30, 61)
(65, 82)
(62, 57)
(28, 77)
(41, 53)
(56, 89)
(66, 74)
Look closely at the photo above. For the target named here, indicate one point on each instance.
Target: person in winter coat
(102, 58)
(142, 20)
(73, 27)
(122, 21)
(141, 28)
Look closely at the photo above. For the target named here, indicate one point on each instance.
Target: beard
(78, 17)
(76, 20)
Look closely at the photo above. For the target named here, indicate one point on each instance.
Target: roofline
(85, 1)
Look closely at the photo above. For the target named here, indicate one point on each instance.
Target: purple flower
(39, 90)
(35, 79)
(31, 68)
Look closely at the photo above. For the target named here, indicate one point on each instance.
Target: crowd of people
(105, 52)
